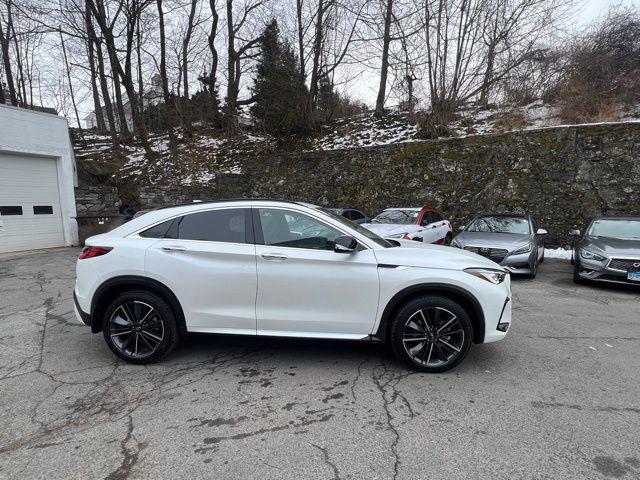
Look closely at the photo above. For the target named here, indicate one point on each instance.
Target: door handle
(276, 257)
(174, 248)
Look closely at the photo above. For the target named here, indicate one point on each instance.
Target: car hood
(508, 241)
(417, 254)
(612, 246)
(386, 229)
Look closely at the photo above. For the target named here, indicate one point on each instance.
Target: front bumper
(498, 316)
(595, 271)
(519, 264)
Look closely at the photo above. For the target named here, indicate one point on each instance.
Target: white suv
(256, 267)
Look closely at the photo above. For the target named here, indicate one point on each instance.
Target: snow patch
(560, 253)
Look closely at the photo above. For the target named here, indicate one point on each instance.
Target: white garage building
(37, 179)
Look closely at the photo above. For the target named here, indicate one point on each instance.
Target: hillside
(207, 152)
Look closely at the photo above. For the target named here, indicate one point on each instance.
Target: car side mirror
(574, 233)
(541, 231)
(345, 244)
(461, 228)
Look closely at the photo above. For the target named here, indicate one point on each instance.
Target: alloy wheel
(433, 336)
(136, 329)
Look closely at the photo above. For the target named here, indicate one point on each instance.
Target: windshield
(361, 230)
(398, 217)
(517, 225)
(620, 229)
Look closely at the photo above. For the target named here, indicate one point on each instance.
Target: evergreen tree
(279, 90)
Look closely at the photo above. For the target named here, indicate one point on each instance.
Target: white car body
(423, 230)
(257, 289)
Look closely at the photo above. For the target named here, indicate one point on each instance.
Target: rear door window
(225, 225)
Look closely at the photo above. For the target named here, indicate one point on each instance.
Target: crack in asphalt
(327, 461)
(130, 455)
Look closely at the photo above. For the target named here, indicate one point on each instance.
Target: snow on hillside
(197, 160)
(208, 152)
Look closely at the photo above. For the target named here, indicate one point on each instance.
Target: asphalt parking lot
(560, 398)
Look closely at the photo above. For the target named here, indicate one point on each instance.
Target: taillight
(90, 252)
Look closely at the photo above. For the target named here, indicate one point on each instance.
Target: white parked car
(287, 269)
(420, 224)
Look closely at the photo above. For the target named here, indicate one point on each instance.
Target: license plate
(633, 276)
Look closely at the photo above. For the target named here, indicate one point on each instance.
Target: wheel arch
(115, 286)
(461, 296)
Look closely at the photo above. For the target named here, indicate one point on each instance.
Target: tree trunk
(73, 98)
(185, 48)
(100, 124)
(212, 47)
(163, 74)
(384, 68)
(139, 65)
(232, 87)
(4, 44)
(317, 50)
(104, 89)
(300, 37)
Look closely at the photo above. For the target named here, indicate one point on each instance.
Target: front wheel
(139, 327)
(431, 334)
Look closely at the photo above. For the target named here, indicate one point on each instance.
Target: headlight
(587, 255)
(456, 243)
(524, 249)
(404, 235)
(493, 276)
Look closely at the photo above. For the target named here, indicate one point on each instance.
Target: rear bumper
(81, 316)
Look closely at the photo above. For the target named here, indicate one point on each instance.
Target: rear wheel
(140, 327)
(431, 334)
(448, 239)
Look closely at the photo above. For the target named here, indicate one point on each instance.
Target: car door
(429, 229)
(305, 288)
(208, 260)
(441, 225)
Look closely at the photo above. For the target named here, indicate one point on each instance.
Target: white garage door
(29, 203)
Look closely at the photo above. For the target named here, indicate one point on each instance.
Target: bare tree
(5, 39)
(236, 53)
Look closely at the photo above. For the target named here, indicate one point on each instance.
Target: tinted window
(225, 225)
(287, 228)
(436, 217)
(356, 215)
(427, 219)
(11, 210)
(518, 225)
(158, 231)
(42, 210)
(348, 214)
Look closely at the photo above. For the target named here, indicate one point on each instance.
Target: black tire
(576, 277)
(542, 257)
(431, 355)
(448, 239)
(534, 268)
(145, 339)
